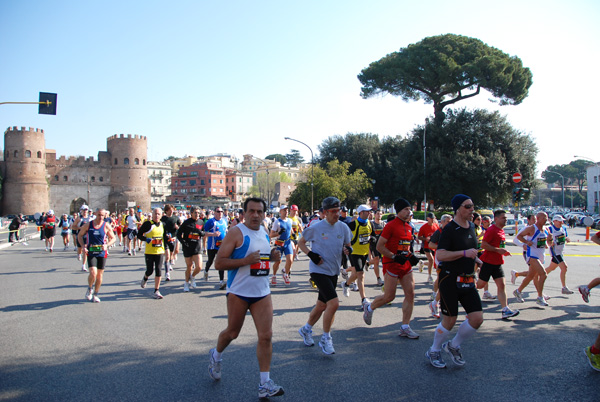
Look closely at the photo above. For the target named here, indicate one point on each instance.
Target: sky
(236, 77)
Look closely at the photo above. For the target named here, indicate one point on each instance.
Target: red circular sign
(517, 177)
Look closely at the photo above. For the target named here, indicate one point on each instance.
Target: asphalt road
(57, 346)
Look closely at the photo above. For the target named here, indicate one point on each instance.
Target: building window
(65, 178)
(16, 154)
(595, 179)
(136, 161)
(93, 178)
(116, 161)
(7, 154)
(101, 179)
(201, 182)
(144, 162)
(39, 154)
(56, 178)
(28, 154)
(126, 161)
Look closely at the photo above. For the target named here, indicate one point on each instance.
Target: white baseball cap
(558, 218)
(362, 208)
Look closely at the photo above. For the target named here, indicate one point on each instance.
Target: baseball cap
(51, 212)
(84, 207)
(294, 207)
(330, 202)
(430, 215)
(362, 208)
(283, 207)
(558, 218)
(344, 209)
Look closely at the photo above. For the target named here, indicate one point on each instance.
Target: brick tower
(129, 173)
(25, 188)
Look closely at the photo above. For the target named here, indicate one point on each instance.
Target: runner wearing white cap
(561, 236)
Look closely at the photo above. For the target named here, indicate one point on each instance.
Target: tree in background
(445, 69)
(334, 180)
(277, 158)
(294, 158)
(573, 172)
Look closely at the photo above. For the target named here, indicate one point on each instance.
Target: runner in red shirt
(494, 248)
(424, 235)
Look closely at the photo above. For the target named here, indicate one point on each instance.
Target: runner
(281, 231)
(245, 253)
(457, 253)
(152, 232)
(49, 225)
(514, 274)
(215, 229)
(424, 235)
(394, 245)
(81, 220)
(97, 237)
(171, 223)
(296, 229)
(494, 244)
(328, 238)
(65, 225)
(377, 224)
(560, 236)
(361, 235)
(132, 231)
(189, 235)
(434, 306)
(536, 238)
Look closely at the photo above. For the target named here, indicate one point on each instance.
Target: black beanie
(457, 201)
(400, 204)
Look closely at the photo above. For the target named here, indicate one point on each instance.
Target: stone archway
(76, 204)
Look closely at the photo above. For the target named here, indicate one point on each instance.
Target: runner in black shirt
(190, 235)
(457, 253)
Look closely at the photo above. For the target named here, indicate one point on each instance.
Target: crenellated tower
(129, 173)
(25, 188)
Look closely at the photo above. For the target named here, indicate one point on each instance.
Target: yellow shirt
(156, 245)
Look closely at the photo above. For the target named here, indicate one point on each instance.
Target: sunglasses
(219, 211)
(468, 206)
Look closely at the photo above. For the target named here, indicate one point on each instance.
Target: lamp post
(563, 186)
(424, 164)
(312, 172)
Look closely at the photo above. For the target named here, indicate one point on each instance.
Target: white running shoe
(379, 282)
(78, 257)
(273, 280)
(168, 276)
(567, 291)
(89, 294)
(214, 366)
(193, 282)
(408, 333)
(433, 306)
(96, 299)
(306, 336)
(286, 278)
(345, 289)
(541, 301)
(519, 296)
(513, 276)
(488, 296)
(83, 268)
(326, 344)
(186, 287)
(367, 315)
(157, 295)
(269, 389)
(344, 273)
(354, 287)
(222, 285)
(585, 293)
(430, 280)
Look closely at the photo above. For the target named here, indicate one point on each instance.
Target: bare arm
(233, 240)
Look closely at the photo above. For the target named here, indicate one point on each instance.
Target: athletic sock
(264, 377)
(465, 331)
(307, 327)
(217, 355)
(439, 337)
(327, 334)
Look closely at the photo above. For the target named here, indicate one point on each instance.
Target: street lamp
(312, 172)
(424, 164)
(563, 186)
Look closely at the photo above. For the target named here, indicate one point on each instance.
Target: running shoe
(50, 249)
(84, 268)
(519, 296)
(344, 273)
(546, 297)
(168, 276)
(488, 296)
(435, 358)
(214, 367)
(367, 315)
(306, 336)
(326, 344)
(593, 359)
(345, 289)
(273, 280)
(379, 282)
(354, 287)
(286, 279)
(430, 280)
(89, 294)
(585, 293)
(433, 306)
(133, 251)
(269, 389)
(513, 276)
(186, 287)
(541, 301)
(128, 252)
(433, 295)
(507, 313)
(143, 283)
(193, 282)
(96, 299)
(205, 276)
(420, 265)
(408, 333)
(567, 291)
(157, 295)
(222, 285)
(454, 353)
(78, 257)
(312, 283)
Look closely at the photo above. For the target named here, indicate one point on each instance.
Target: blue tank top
(96, 239)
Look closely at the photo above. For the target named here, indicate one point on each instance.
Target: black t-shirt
(435, 237)
(189, 234)
(170, 223)
(455, 238)
(14, 225)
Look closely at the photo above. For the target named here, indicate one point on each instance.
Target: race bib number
(194, 236)
(560, 240)
(261, 268)
(502, 244)
(157, 242)
(364, 238)
(404, 245)
(541, 243)
(279, 243)
(465, 282)
(96, 248)
(218, 243)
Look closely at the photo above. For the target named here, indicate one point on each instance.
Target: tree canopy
(445, 69)
(294, 158)
(277, 158)
(573, 172)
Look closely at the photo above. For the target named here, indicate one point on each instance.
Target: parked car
(509, 229)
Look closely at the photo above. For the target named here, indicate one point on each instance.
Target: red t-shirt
(426, 231)
(495, 237)
(399, 235)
